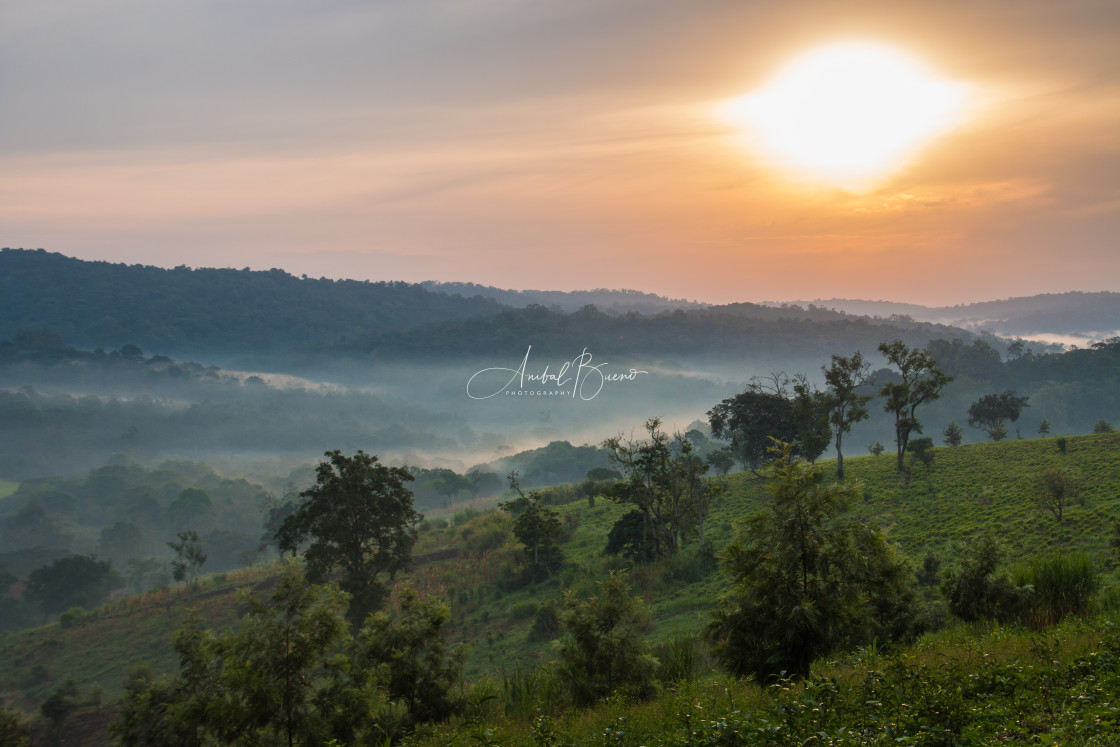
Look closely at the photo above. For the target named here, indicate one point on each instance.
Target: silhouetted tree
(991, 411)
(922, 382)
(846, 405)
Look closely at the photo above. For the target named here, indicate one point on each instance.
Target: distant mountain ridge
(1072, 313)
(606, 300)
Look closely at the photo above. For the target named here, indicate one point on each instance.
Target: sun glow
(848, 113)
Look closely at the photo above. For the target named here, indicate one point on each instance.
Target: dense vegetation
(472, 562)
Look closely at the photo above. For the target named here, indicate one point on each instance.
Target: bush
(682, 659)
(1102, 426)
(74, 617)
(484, 532)
(546, 625)
(600, 652)
(522, 610)
(977, 592)
(1062, 585)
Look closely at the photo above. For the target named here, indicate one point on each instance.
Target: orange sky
(553, 145)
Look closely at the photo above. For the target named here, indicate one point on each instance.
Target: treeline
(734, 332)
(213, 311)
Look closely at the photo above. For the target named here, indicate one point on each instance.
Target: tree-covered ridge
(608, 300)
(737, 331)
(99, 304)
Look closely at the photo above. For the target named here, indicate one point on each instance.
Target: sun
(848, 113)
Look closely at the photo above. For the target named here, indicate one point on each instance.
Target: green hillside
(471, 562)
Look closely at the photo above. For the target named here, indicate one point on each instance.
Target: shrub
(1102, 426)
(682, 659)
(600, 652)
(74, 617)
(546, 625)
(977, 592)
(1062, 585)
(522, 610)
(484, 532)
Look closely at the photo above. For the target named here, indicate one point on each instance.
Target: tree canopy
(921, 382)
(991, 411)
(804, 581)
(358, 519)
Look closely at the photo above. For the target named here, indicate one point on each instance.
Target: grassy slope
(968, 489)
(7, 487)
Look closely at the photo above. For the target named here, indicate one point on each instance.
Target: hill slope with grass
(472, 561)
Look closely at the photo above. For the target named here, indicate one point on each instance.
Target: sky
(557, 145)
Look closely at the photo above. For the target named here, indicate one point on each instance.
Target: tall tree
(189, 557)
(991, 411)
(847, 406)
(358, 519)
(922, 382)
(804, 580)
(663, 481)
(538, 528)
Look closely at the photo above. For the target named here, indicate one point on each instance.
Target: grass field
(7, 487)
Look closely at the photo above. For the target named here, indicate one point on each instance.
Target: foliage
(663, 481)
(601, 650)
(538, 528)
(409, 645)
(922, 382)
(1102, 426)
(1043, 427)
(189, 557)
(269, 681)
(630, 539)
(991, 411)
(1056, 490)
(804, 581)
(58, 707)
(846, 404)
(767, 409)
(13, 732)
(953, 434)
(73, 581)
(922, 449)
(1061, 585)
(359, 520)
(976, 592)
(875, 448)
(291, 673)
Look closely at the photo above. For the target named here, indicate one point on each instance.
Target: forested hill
(203, 313)
(189, 311)
(609, 301)
(738, 331)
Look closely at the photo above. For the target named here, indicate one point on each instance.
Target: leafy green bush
(483, 532)
(976, 592)
(601, 652)
(74, 617)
